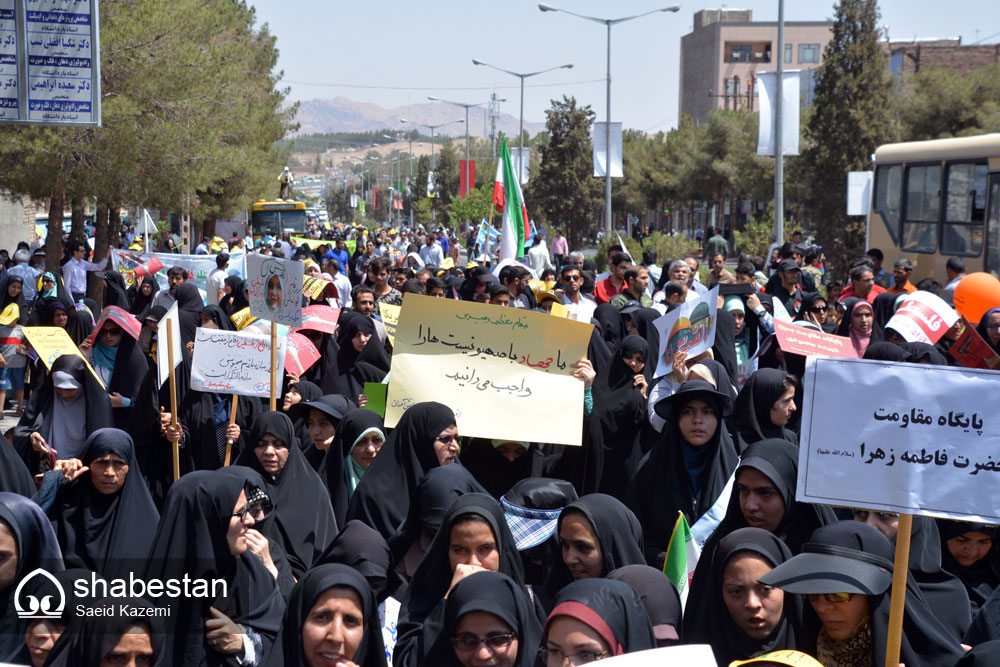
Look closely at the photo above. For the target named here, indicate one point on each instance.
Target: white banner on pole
(234, 362)
(688, 328)
(767, 84)
(906, 438)
(521, 166)
(859, 192)
(274, 287)
(170, 320)
(600, 152)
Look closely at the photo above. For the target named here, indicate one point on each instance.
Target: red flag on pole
(463, 186)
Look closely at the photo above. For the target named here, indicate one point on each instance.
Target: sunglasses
(835, 598)
(111, 332)
(818, 309)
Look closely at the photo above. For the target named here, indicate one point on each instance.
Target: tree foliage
(852, 115)
(937, 102)
(564, 193)
(475, 207)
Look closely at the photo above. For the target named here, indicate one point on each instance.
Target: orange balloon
(975, 294)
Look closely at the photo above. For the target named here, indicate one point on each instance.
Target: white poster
(275, 289)
(521, 166)
(235, 362)
(169, 321)
(689, 655)
(900, 437)
(922, 318)
(859, 192)
(767, 84)
(688, 328)
(600, 153)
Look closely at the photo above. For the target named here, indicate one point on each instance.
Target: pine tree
(564, 192)
(852, 115)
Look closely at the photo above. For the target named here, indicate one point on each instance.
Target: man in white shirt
(75, 271)
(216, 281)
(431, 252)
(342, 283)
(580, 307)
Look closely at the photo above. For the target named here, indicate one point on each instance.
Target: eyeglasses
(470, 642)
(242, 514)
(446, 440)
(111, 332)
(556, 657)
(835, 598)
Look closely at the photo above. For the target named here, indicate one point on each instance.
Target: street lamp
(432, 128)
(467, 107)
(522, 76)
(607, 136)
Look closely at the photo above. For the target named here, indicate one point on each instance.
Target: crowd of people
(324, 525)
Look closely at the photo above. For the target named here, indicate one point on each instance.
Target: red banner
(463, 186)
(300, 354)
(972, 351)
(809, 342)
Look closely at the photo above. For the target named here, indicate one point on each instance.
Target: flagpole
(175, 447)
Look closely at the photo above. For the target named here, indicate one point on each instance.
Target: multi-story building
(721, 56)
(907, 56)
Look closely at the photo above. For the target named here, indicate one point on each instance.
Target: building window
(740, 53)
(788, 53)
(808, 53)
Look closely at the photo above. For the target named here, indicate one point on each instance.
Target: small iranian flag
(510, 203)
(682, 557)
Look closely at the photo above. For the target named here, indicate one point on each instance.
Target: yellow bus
(937, 199)
(276, 217)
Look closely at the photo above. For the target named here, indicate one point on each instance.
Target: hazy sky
(399, 52)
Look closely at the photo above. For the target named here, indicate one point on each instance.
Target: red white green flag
(509, 202)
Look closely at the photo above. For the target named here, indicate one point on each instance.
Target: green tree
(475, 207)
(564, 192)
(938, 102)
(446, 176)
(852, 115)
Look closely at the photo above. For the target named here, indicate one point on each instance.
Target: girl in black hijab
(26, 533)
(322, 418)
(500, 464)
(61, 415)
(844, 573)
(660, 598)
(361, 357)
(304, 518)
(688, 471)
(487, 616)
(331, 611)
(115, 291)
(859, 325)
(235, 299)
(597, 534)
(120, 364)
(90, 640)
(620, 406)
(764, 407)
(473, 533)
(990, 335)
(382, 498)
(141, 297)
(359, 546)
(734, 613)
(6, 298)
(359, 439)
(201, 534)
(883, 351)
(969, 551)
(189, 305)
(764, 497)
(106, 520)
(51, 290)
(924, 353)
(615, 618)
(79, 326)
(610, 324)
(213, 317)
(436, 492)
(302, 391)
(14, 474)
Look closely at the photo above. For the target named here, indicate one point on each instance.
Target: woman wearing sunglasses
(844, 573)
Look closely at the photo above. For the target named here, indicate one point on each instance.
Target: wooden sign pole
(176, 453)
(898, 595)
(229, 443)
(274, 364)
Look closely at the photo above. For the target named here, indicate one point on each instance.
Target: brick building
(906, 57)
(726, 48)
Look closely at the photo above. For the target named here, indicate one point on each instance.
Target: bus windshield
(276, 218)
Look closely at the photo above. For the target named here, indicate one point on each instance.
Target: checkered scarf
(530, 527)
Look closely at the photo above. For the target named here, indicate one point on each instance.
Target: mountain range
(345, 115)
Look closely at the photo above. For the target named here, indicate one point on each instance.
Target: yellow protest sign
(390, 319)
(312, 243)
(559, 310)
(504, 371)
(242, 318)
(313, 287)
(50, 343)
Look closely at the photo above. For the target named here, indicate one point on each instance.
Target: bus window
(993, 225)
(888, 188)
(965, 209)
(923, 205)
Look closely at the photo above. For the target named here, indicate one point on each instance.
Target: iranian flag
(682, 557)
(509, 203)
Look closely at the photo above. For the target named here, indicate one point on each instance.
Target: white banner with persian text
(234, 362)
(898, 437)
